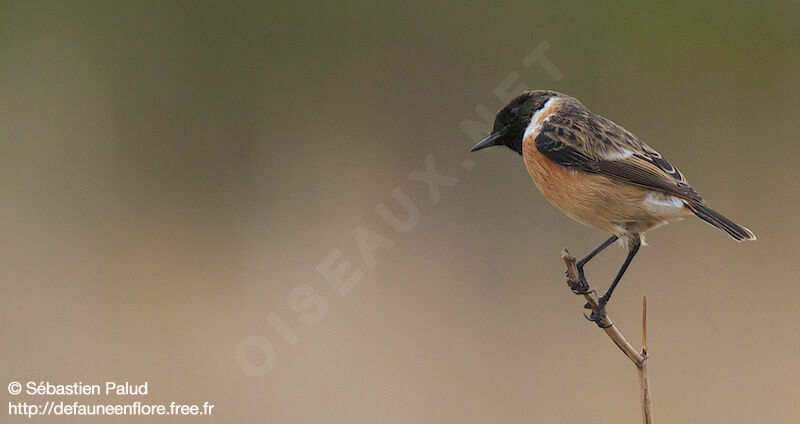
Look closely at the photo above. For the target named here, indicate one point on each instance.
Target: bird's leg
(582, 261)
(598, 313)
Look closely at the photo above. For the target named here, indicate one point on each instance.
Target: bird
(599, 174)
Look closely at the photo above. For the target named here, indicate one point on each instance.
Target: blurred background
(174, 174)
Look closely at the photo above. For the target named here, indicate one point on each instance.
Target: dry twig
(639, 358)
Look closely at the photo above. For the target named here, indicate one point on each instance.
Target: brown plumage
(597, 172)
(598, 201)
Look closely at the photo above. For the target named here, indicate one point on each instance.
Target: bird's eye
(513, 113)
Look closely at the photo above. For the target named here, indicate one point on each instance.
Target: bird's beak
(492, 140)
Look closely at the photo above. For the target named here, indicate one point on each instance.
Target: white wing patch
(620, 155)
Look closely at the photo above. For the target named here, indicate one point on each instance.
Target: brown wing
(591, 143)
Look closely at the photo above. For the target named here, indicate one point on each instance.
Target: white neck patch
(540, 117)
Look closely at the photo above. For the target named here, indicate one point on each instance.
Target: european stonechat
(598, 173)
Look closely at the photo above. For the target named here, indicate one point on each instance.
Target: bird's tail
(716, 219)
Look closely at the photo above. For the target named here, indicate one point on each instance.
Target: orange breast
(591, 199)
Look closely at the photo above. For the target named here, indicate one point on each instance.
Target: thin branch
(644, 382)
(644, 324)
(639, 359)
(579, 285)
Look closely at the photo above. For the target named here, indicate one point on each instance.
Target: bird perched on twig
(598, 174)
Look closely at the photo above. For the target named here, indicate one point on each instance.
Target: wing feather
(595, 144)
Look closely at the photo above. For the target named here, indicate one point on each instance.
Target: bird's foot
(598, 313)
(581, 287)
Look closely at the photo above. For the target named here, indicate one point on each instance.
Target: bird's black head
(512, 120)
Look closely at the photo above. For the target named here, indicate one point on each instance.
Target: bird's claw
(598, 313)
(598, 321)
(581, 289)
(582, 286)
